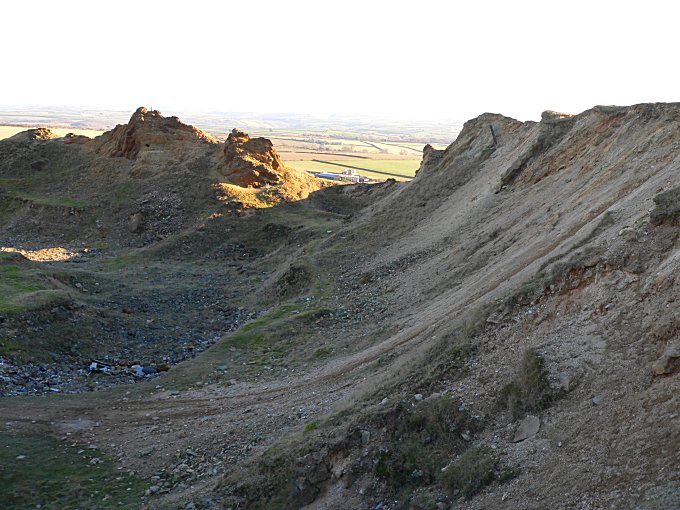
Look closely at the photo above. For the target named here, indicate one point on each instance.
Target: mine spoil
(190, 324)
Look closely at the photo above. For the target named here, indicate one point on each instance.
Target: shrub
(422, 439)
(470, 472)
(530, 390)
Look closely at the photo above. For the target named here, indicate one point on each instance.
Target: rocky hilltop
(499, 332)
(148, 131)
(153, 176)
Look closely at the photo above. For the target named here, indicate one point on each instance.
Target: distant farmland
(398, 168)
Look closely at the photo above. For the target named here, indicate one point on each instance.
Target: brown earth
(392, 323)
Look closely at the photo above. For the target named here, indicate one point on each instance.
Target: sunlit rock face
(33, 134)
(251, 162)
(148, 129)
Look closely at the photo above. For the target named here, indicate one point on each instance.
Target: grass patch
(311, 427)
(470, 472)
(530, 390)
(121, 262)
(422, 439)
(266, 319)
(15, 283)
(262, 344)
(52, 201)
(405, 446)
(13, 184)
(9, 347)
(15, 187)
(23, 289)
(322, 352)
(52, 475)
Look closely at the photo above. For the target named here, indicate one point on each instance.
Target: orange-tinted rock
(147, 130)
(251, 161)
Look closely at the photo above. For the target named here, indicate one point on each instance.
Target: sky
(420, 59)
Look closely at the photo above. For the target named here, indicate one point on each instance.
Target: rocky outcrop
(431, 157)
(33, 134)
(147, 130)
(251, 162)
(77, 139)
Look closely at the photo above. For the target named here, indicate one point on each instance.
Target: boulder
(527, 428)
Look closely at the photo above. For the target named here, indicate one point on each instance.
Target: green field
(405, 168)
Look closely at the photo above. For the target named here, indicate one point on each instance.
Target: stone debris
(527, 428)
(669, 362)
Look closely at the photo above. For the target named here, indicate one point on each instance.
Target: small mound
(295, 185)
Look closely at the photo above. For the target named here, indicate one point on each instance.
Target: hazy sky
(408, 59)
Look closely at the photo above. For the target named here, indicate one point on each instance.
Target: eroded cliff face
(553, 245)
(558, 238)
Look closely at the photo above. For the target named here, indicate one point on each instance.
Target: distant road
(401, 176)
